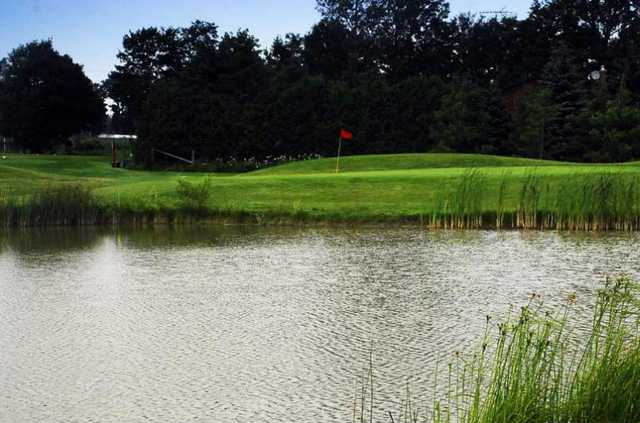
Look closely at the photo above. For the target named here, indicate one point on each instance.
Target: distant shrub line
(232, 164)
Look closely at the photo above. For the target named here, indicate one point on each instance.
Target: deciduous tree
(45, 97)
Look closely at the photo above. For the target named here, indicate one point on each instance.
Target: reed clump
(587, 202)
(600, 202)
(65, 205)
(537, 368)
(78, 205)
(464, 207)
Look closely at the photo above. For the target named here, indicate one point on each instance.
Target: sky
(91, 31)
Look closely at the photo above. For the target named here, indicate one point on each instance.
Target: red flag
(346, 135)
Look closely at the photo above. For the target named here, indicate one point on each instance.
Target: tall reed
(537, 368)
(529, 202)
(587, 202)
(463, 207)
(54, 205)
(501, 199)
(76, 205)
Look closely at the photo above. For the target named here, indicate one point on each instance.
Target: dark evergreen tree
(409, 113)
(469, 119)
(499, 125)
(566, 81)
(615, 131)
(533, 112)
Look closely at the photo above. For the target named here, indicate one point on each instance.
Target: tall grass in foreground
(536, 369)
(589, 202)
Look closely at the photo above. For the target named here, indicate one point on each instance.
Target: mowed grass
(402, 162)
(369, 188)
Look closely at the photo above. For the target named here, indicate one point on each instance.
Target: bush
(87, 145)
(194, 196)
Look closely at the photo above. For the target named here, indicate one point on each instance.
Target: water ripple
(272, 325)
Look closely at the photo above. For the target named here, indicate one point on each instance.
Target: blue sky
(91, 30)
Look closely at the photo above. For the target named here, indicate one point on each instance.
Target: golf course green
(368, 188)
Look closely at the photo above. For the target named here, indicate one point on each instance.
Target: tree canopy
(402, 75)
(45, 97)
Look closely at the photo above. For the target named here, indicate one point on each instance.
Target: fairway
(369, 188)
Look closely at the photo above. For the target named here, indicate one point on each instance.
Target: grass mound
(386, 162)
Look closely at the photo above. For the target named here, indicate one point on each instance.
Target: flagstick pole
(339, 151)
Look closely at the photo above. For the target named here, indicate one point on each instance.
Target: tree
(600, 32)
(355, 15)
(295, 118)
(470, 119)
(332, 50)
(412, 36)
(492, 50)
(399, 73)
(566, 82)
(148, 55)
(404, 115)
(400, 38)
(532, 113)
(45, 97)
(615, 132)
(286, 56)
(208, 106)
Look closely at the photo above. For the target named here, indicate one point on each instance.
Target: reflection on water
(260, 324)
(50, 240)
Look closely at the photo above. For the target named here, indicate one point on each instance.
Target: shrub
(194, 196)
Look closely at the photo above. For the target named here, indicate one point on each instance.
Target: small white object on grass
(4, 157)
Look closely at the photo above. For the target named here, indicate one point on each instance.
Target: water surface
(240, 324)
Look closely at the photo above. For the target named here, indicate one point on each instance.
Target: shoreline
(71, 191)
(489, 221)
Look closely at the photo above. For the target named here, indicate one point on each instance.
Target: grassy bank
(538, 368)
(437, 190)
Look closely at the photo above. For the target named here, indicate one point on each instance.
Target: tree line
(402, 75)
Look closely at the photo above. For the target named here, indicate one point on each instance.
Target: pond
(241, 324)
